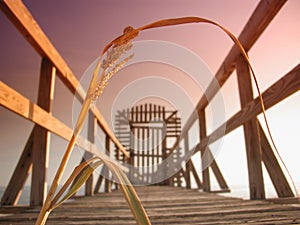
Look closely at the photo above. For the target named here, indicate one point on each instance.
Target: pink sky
(80, 29)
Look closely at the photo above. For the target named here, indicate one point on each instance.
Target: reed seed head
(111, 67)
(113, 54)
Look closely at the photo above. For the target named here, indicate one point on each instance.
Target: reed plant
(110, 63)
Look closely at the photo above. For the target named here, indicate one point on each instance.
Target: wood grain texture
(91, 136)
(14, 101)
(283, 88)
(107, 186)
(188, 164)
(41, 137)
(205, 166)
(18, 14)
(165, 205)
(257, 23)
(251, 133)
(273, 167)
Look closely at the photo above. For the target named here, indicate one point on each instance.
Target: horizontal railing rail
(52, 64)
(257, 145)
(28, 27)
(257, 23)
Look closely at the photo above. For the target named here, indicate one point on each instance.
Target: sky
(80, 29)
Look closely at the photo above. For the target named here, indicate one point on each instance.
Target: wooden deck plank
(165, 205)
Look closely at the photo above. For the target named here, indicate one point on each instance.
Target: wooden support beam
(107, 179)
(276, 174)
(187, 165)
(217, 172)
(203, 134)
(257, 23)
(18, 14)
(103, 173)
(15, 102)
(17, 181)
(91, 135)
(118, 159)
(251, 133)
(41, 137)
(195, 174)
(283, 88)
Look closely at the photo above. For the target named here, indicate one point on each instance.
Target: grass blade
(77, 185)
(130, 194)
(134, 202)
(87, 172)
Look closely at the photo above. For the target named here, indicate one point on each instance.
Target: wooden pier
(165, 205)
(172, 201)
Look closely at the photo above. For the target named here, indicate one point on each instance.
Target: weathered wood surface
(41, 136)
(251, 133)
(273, 167)
(18, 14)
(203, 135)
(22, 106)
(283, 88)
(165, 205)
(257, 23)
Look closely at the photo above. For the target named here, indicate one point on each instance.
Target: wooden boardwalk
(165, 205)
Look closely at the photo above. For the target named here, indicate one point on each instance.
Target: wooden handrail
(259, 20)
(283, 88)
(287, 85)
(28, 27)
(17, 103)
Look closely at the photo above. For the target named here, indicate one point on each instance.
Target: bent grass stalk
(109, 67)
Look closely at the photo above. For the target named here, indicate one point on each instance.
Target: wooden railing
(34, 155)
(257, 145)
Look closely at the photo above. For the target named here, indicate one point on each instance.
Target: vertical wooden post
(162, 115)
(92, 122)
(87, 155)
(202, 132)
(41, 137)
(187, 165)
(100, 179)
(251, 133)
(131, 148)
(118, 159)
(107, 180)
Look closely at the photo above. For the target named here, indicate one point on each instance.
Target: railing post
(187, 165)
(202, 133)
(118, 159)
(107, 180)
(131, 149)
(91, 134)
(41, 137)
(251, 133)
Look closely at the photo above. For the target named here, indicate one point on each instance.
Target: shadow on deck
(165, 205)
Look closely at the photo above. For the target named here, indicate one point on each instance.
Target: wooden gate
(148, 132)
